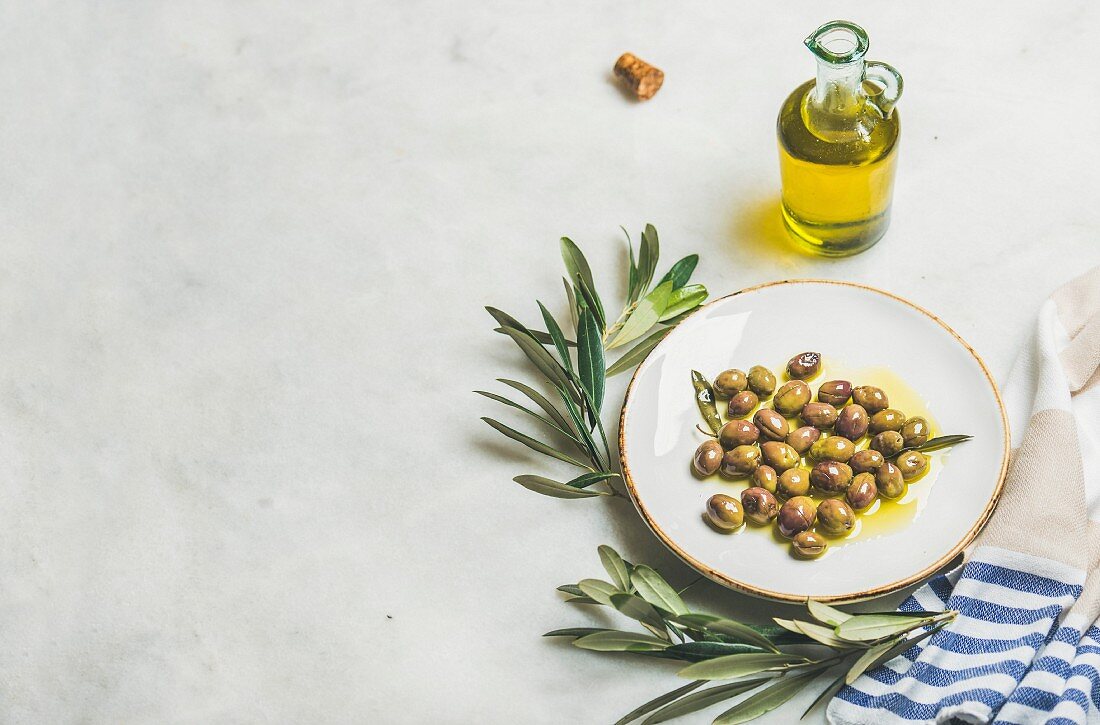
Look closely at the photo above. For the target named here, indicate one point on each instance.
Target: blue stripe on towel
(904, 707)
(933, 676)
(1020, 580)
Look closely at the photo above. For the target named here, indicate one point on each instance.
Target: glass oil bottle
(838, 142)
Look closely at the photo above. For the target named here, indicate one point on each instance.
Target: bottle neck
(839, 88)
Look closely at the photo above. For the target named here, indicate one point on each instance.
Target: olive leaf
(592, 302)
(571, 589)
(573, 309)
(727, 627)
(633, 290)
(682, 300)
(704, 398)
(587, 479)
(615, 641)
(578, 425)
(739, 665)
(598, 589)
(556, 335)
(869, 627)
(934, 444)
(703, 699)
(638, 609)
(865, 661)
(577, 266)
(648, 253)
(892, 649)
(698, 651)
(590, 360)
(533, 444)
(824, 635)
(680, 273)
(654, 589)
(575, 631)
(636, 354)
(826, 614)
(538, 356)
(539, 400)
(644, 316)
(549, 487)
(658, 702)
(615, 566)
(767, 699)
(533, 414)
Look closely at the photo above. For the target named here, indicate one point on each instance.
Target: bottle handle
(889, 80)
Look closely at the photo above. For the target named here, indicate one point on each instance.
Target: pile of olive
(809, 473)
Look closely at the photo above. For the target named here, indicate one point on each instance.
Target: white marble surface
(245, 251)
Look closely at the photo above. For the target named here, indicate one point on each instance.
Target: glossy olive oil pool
(884, 516)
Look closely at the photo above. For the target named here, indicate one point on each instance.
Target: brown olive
(835, 517)
(741, 461)
(888, 443)
(742, 404)
(890, 482)
(871, 398)
(862, 491)
(779, 456)
(724, 513)
(708, 457)
(852, 422)
(912, 464)
(765, 477)
(833, 448)
(793, 482)
(772, 425)
(761, 381)
(835, 392)
(792, 397)
(915, 431)
(730, 383)
(796, 515)
(820, 415)
(738, 433)
(866, 460)
(889, 419)
(831, 478)
(802, 438)
(809, 545)
(804, 365)
(759, 505)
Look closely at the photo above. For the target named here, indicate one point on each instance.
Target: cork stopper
(640, 77)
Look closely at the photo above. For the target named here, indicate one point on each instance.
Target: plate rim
(879, 591)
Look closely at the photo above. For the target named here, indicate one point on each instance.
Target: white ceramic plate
(945, 510)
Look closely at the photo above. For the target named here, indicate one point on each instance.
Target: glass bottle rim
(848, 42)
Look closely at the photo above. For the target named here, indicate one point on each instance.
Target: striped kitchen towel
(1025, 647)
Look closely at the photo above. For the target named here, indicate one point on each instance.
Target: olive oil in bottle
(838, 139)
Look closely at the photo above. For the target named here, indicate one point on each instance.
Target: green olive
(793, 482)
(761, 381)
(724, 513)
(759, 505)
(729, 383)
(708, 457)
(835, 517)
(835, 392)
(852, 422)
(889, 419)
(862, 491)
(804, 365)
(792, 397)
(912, 464)
(809, 545)
(765, 477)
(738, 433)
(890, 482)
(772, 425)
(888, 443)
(796, 515)
(802, 438)
(866, 460)
(741, 461)
(742, 404)
(831, 478)
(833, 448)
(915, 431)
(820, 415)
(779, 456)
(871, 398)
